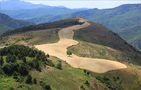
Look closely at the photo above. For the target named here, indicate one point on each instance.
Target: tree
(34, 81)
(35, 64)
(24, 59)
(47, 87)
(87, 72)
(8, 69)
(47, 56)
(23, 70)
(87, 83)
(69, 52)
(1, 61)
(29, 79)
(59, 65)
(11, 58)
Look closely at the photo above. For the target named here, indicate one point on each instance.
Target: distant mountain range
(18, 5)
(24, 10)
(7, 23)
(124, 19)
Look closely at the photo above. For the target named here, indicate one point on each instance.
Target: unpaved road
(59, 50)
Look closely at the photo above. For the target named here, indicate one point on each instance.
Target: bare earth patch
(59, 50)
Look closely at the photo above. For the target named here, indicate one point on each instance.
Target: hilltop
(95, 33)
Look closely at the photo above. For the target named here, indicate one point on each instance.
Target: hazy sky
(85, 3)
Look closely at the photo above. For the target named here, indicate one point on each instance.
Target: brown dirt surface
(59, 50)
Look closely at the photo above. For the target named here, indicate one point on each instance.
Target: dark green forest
(17, 61)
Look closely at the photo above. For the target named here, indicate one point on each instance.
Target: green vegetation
(69, 53)
(3, 29)
(68, 78)
(59, 65)
(17, 61)
(8, 23)
(27, 68)
(124, 79)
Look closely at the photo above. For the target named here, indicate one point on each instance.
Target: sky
(101, 4)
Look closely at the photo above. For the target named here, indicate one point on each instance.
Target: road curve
(59, 50)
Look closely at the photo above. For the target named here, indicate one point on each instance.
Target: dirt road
(59, 50)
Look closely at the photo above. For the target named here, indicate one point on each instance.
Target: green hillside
(7, 23)
(3, 29)
(58, 75)
(26, 68)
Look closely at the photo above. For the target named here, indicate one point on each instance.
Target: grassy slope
(92, 50)
(66, 79)
(71, 79)
(32, 37)
(133, 35)
(99, 35)
(132, 74)
(3, 29)
(37, 34)
(128, 79)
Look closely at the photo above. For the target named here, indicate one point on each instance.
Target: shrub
(29, 79)
(11, 59)
(69, 53)
(59, 65)
(1, 61)
(87, 72)
(8, 69)
(23, 70)
(34, 81)
(47, 87)
(87, 83)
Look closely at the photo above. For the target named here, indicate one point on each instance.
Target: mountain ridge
(96, 33)
(9, 23)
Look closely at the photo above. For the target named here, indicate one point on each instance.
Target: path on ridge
(59, 50)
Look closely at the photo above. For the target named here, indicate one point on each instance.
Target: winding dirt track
(59, 50)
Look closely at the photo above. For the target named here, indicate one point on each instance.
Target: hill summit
(94, 33)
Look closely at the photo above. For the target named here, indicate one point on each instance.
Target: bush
(1, 61)
(47, 87)
(87, 83)
(82, 87)
(11, 59)
(29, 79)
(23, 70)
(59, 65)
(34, 81)
(69, 52)
(8, 69)
(87, 72)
